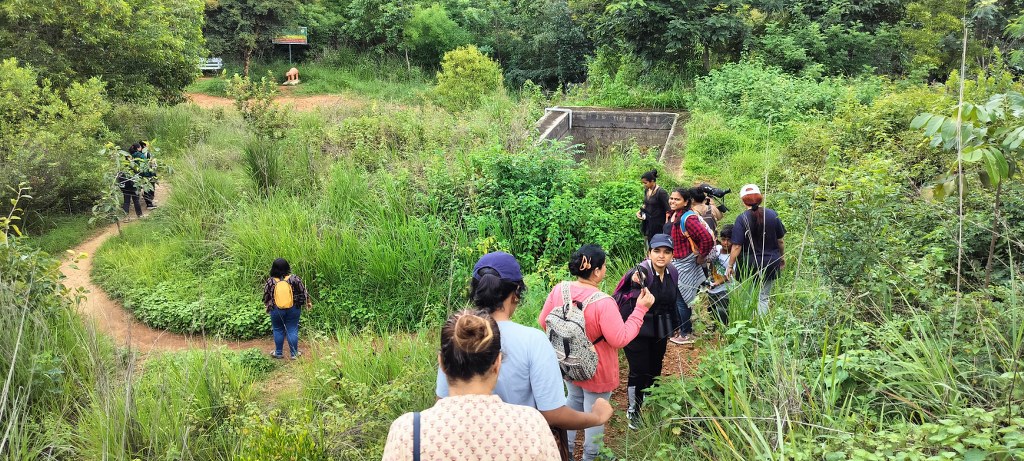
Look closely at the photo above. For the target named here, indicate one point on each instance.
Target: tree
(142, 49)
(679, 31)
(244, 27)
(991, 135)
(466, 77)
(430, 33)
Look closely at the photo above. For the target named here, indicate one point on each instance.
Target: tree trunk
(706, 58)
(248, 59)
(992, 243)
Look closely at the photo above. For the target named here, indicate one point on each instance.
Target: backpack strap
(416, 436)
(597, 296)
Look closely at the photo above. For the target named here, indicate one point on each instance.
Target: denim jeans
(685, 325)
(583, 400)
(285, 322)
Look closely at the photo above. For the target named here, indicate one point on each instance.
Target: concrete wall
(596, 128)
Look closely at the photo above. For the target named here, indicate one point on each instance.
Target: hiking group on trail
(510, 391)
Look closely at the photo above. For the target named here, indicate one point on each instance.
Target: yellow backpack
(284, 296)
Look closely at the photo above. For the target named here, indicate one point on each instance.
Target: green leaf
(986, 180)
(972, 154)
(920, 121)
(975, 454)
(933, 125)
(949, 130)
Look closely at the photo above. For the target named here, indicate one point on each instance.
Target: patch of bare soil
(286, 98)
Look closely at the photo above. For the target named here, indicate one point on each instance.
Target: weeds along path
(111, 318)
(299, 103)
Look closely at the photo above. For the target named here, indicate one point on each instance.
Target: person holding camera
(529, 373)
(757, 246)
(693, 242)
(655, 206)
(646, 353)
(713, 212)
(471, 423)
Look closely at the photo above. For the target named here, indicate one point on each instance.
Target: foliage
(254, 100)
(244, 27)
(466, 77)
(143, 49)
(554, 51)
(764, 92)
(48, 138)
(991, 133)
(430, 33)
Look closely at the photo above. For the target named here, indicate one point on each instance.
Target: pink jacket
(602, 319)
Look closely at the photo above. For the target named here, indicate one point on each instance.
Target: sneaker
(634, 419)
(684, 339)
(297, 355)
(277, 355)
(150, 207)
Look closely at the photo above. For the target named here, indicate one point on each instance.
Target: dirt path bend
(111, 318)
(299, 103)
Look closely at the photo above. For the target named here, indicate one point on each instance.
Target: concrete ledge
(595, 127)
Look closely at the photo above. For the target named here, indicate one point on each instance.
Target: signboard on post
(297, 36)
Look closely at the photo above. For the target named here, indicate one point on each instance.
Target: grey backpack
(567, 332)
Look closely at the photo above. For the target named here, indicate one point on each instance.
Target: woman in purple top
(757, 245)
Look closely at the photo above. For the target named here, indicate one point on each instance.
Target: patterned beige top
(473, 427)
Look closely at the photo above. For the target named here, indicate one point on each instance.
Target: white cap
(749, 189)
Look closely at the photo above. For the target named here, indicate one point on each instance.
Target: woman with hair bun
(757, 244)
(604, 328)
(529, 373)
(652, 213)
(471, 423)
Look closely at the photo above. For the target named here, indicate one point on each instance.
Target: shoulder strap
(416, 436)
(566, 294)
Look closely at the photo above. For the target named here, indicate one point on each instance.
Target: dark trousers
(149, 196)
(285, 323)
(685, 312)
(645, 357)
(719, 306)
(131, 197)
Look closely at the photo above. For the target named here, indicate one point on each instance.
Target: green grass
(60, 233)
(382, 80)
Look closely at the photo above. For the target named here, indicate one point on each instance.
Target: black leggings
(131, 197)
(646, 357)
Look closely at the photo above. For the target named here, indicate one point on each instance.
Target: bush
(465, 78)
(764, 92)
(51, 139)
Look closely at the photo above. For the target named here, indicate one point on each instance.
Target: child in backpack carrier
(718, 293)
(284, 296)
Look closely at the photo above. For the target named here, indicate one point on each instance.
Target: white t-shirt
(529, 374)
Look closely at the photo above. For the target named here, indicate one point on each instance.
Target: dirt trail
(112, 318)
(299, 103)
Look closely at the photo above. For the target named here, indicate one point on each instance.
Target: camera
(716, 192)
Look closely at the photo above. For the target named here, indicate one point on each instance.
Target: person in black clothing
(652, 213)
(126, 179)
(149, 173)
(646, 353)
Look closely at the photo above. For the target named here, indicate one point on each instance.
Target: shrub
(466, 77)
(51, 139)
(764, 92)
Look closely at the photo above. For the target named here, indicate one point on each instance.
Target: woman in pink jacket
(604, 324)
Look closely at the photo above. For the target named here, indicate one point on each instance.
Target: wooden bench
(214, 64)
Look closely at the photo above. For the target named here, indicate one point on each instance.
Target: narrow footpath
(111, 318)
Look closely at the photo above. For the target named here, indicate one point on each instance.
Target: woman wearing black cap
(646, 353)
